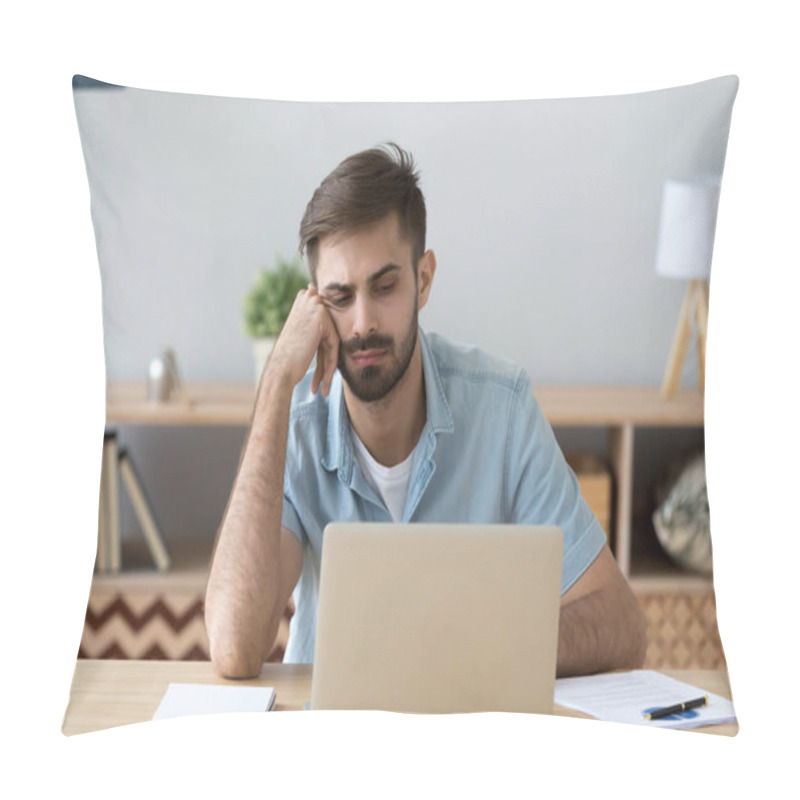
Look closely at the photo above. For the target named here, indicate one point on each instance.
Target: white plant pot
(261, 350)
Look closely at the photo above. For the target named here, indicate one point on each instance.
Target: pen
(676, 709)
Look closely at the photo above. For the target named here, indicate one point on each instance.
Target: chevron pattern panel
(681, 628)
(682, 631)
(147, 626)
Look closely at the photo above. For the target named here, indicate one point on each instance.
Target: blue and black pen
(660, 713)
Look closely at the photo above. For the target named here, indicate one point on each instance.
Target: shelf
(653, 571)
(660, 576)
(617, 409)
(641, 406)
(142, 613)
(201, 404)
(581, 406)
(188, 572)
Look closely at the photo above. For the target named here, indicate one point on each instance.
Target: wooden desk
(109, 693)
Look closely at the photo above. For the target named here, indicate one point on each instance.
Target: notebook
(437, 618)
(182, 699)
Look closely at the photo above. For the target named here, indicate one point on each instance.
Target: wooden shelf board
(670, 583)
(653, 571)
(201, 404)
(188, 572)
(581, 406)
(619, 405)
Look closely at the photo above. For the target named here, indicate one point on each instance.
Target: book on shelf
(141, 508)
(109, 537)
(101, 560)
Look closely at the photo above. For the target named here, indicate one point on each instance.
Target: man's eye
(339, 300)
(385, 288)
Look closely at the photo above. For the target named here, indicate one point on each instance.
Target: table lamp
(685, 245)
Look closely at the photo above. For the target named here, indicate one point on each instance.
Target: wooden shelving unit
(620, 411)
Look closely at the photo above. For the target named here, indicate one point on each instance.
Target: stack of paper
(182, 699)
(628, 696)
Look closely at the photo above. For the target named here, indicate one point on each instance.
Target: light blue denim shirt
(486, 454)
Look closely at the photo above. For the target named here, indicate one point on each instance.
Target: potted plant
(267, 305)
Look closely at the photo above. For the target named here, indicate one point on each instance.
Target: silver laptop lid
(437, 618)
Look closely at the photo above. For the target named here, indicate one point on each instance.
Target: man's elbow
(235, 670)
(231, 656)
(234, 663)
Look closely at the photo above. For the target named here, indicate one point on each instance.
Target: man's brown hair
(364, 189)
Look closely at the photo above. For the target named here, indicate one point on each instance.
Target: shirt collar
(338, 447)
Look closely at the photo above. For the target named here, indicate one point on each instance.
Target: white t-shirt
(390, 483)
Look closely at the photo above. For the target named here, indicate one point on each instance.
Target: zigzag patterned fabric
(165, 627)
(682, 631)
(681, 628)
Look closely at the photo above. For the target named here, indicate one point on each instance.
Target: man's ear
(425, 272)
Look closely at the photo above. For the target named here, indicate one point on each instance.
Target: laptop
(437, 618)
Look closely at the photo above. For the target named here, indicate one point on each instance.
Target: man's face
(368, 281)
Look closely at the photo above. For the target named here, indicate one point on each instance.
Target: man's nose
(364, 320)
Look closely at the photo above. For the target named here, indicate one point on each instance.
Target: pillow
(544, 216)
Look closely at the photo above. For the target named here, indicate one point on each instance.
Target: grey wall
(543, 216)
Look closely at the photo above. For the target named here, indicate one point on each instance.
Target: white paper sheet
(627, 696)
(182, 699)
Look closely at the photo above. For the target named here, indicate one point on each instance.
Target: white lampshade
(688, 224)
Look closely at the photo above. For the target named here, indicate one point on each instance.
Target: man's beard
(376, 381)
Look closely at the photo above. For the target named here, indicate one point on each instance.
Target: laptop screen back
(438, 618)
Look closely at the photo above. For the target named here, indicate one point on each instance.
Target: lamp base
(695, 302)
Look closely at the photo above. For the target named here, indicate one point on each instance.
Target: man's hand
(308, 331)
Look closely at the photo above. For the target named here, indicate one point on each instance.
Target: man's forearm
(243, 593)
(601, 631)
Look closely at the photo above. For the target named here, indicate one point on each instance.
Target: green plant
(268, 303)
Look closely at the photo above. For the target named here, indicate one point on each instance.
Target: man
(391, 424)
